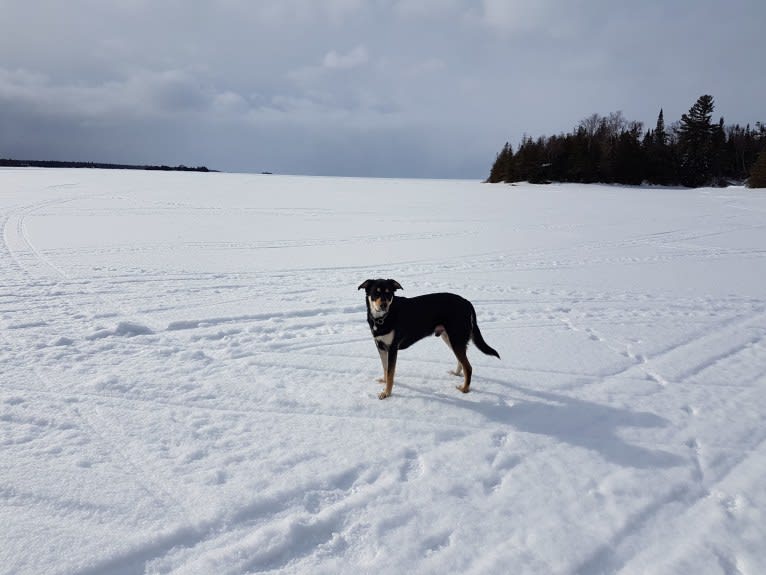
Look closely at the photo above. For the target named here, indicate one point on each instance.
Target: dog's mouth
(379, 307)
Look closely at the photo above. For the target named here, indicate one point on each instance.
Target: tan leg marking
(389, 383)
(384, 362)
(467, 370)
(459, 369)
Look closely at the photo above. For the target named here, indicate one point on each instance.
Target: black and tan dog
(398, 322)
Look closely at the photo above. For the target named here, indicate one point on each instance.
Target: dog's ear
(364, 285)
(395, 284)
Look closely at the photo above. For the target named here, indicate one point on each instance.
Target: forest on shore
(8, 163)
(693, 152)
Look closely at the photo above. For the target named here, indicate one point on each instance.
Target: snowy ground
(188, 383)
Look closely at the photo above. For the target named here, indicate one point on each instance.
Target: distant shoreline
(7, 163)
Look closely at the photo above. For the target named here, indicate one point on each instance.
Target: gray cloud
(378, 87)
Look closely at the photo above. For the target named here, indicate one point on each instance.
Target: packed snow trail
(188, 383)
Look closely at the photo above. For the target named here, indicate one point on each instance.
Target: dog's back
(453, 313)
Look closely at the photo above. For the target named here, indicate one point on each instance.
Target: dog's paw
(383, 395)
(463, 388)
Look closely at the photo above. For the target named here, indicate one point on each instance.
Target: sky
(380, 88)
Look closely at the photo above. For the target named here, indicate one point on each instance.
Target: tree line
(693, 152)
(8, 163)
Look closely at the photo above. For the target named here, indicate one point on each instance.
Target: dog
(398, 322)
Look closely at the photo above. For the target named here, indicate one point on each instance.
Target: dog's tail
(478, 340)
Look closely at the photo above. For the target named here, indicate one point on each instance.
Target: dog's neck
(376, 319)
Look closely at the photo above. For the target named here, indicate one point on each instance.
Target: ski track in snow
(187, 379)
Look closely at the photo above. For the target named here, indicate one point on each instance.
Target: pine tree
(718, 154)
(503, 168)
(577, 169)
(757, 177)
(629, 165)
(495, 173)
(660, 135)
(660, 168)
(530, 159)
(695, 139)
(508, 164)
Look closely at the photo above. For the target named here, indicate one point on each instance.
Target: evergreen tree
(578, 164)
(718, 154)
(695, 138)
(559, 156)
(628, 157)
(757, 177)
(508, 169)
(738, 144)
(502, 170)
(660, 135)
(659, 166)
(530, 160)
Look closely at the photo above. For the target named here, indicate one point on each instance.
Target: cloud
(143, 94)
(427, 8)
(340, 86)
(229, 103)
(356, 57)
(512, 14)
(335, 12)
(550, 18)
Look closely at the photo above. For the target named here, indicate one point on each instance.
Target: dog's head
(380, 294)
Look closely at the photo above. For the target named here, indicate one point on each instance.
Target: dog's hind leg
(443, 333)
(467, 370)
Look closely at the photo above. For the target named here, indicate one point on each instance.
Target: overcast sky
(410, 88)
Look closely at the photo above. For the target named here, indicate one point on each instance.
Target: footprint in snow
(122, 329)
(412, 466)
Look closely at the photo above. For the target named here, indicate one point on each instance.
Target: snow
(188, 382)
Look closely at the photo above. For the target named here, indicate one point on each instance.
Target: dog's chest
(384, 341)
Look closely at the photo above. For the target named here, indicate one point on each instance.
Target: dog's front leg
(383, 352)
(390, 369)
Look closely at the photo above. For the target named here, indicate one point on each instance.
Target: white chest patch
(387, 339)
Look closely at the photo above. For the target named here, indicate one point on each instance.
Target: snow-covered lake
(188, 382)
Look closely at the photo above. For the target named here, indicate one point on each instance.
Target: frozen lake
(188, 382)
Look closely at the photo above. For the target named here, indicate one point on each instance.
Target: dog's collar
(378, 321)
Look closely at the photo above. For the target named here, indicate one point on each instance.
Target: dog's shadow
(581, 423)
